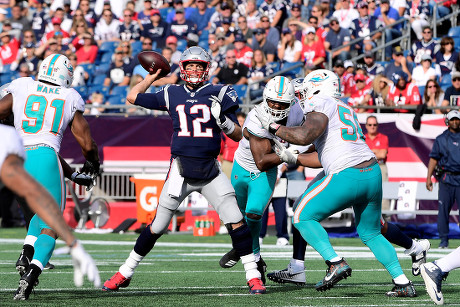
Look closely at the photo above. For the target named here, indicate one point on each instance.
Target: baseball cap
(310, 30)
(362, 4)
(455, 74)
(399, 75)
(333, 19)
(426, 57)
(224, 6)
(296, 6)
(7, 23)
(118, 50)
(56, 21)
(30, 45)
(155, 12)
(360, 77)
(259, 31)
(398, 50)
(178, 1)
(171, 40)
(220, 36)
(240, 38)
(180, 10)
(368, 54)
(384, 1)
(339, 63)
(324, 1)
(193, 37)
(226, 20)
(348, 63)
(453, 114)
(286, 31)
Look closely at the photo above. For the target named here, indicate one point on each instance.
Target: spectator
(378, 143)
(38, 18)
(272, 33)
(372, 6)
(445, 156)
(289, 49)
(398, 64)
(178, 5)
(80, 76)
(79, 21)
(88, 52)
(360, 94)
(349, 67)
(232, 72)
(217, 54)
(192, 40)
(24, 71)
(96, 100)
(56, 30)
(144, 16)
(446, 56)
(157, 29)
(346, 79)
(387, 16)
(276, 12)
(321, 32)
(452, 95)
(295, 27)
(216, 19)
(107, 28)
(129, 29)
(88, 13)
(127, 53)
(304, 8)
(419, 14)
(336, 37)
(201, 15)
(174, 75)
(27, 56)
(403, 92)
(260, 42)
(243, 52)
(9, 48)
(171, 42)
(379, 91)
(313, 53)
(258, 71)
(119, 73)
(18, 20)
(425, 46)
(180, 27)
(373, 69)
(433, 96)
(345, 14)
(362, 26)
(424, 72)
(226, 30)
(295, 14)
(322, 12)
(252, 14)
(66, 22)
(77, 33)
(244, 30)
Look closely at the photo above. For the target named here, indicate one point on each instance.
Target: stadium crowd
(248, 40)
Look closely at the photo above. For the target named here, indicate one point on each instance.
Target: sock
(36, 263)
(336, 259)
(127, 268)
(297, 265)
(396, 236)
(242, 240)
(299, 245)
(250, 266)
(44, 247)
(401, 280)
(30, 240)
(257, 257)
(450, 261)
(145, 242)
(254, 226)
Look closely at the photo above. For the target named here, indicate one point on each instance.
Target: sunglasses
(128, 15)
(359, 80)
(28, 36)
(107, 15)
(147, 44)
(334, 23)
(455, 79)
(426, 32)
(449, 43)
(266, 20)
(231, 57)
(431, 86)
(372, 125)
(242, 21)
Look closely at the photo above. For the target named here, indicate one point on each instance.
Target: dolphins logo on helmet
(322, 81)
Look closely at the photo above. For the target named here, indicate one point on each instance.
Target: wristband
(273, 128)
(74, 242)
(75, 174)
(227, 126)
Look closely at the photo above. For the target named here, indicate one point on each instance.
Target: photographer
(445, 165)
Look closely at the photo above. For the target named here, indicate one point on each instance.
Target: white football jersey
(342, 145)
(11, 144)
(42, 111)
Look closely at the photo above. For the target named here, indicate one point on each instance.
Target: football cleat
(22, 264)
(406, 290)
(419, 259)
(49, 266)
(27, 283)
(229, 259)
(282, 241)
(433, 276)
(116, 282)
(336, 272)
(256, 286)
(262, 268)
(288, 276)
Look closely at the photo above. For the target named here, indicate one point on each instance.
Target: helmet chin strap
(195, 85)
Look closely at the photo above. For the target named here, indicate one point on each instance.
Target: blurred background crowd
(388, 53)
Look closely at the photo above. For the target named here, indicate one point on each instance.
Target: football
(151, 61)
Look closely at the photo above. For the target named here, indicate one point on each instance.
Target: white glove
(83, 265)
(288, 155)
(266, 120)
(222, 121)
(83, 179)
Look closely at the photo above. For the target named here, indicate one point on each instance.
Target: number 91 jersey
(342, 145)
(43, 111)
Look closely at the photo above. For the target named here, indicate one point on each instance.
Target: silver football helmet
(198, 55)
(278, 90)
(298, 87)
(56, 69)
(322, 81)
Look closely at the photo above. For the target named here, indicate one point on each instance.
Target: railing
(453, 16)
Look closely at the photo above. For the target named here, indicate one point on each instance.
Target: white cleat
(419, 258)
(282, 242)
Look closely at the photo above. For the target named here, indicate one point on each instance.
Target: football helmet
(198, 55)
(322, 81)
(3, 91)
(278, 89)
(56, 69)
(298, 87)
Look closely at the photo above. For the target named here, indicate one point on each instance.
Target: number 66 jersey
(43, 111)
(342, 145)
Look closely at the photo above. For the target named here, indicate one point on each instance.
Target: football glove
(288, 155)
(91, 167)
(222, 121)
(82, 179)
(266, 120)
(84, 264)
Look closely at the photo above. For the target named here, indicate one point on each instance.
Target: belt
(33, 147)
(365, 164)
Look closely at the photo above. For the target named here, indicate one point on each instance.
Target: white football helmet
(278, 89)
(3, 91)
(194, 54)
(322, 81)
(56, 69)
(298, 87)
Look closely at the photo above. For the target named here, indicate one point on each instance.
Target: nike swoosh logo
(327, 278)
(436, 293)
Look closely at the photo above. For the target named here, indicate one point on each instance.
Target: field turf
(183, 270)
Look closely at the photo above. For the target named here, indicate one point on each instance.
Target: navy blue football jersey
(196, 133)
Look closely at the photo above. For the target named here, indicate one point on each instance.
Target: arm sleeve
(153, 101)
(435, 151)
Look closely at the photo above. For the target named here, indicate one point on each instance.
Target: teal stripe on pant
(360, 188)
(253, 194)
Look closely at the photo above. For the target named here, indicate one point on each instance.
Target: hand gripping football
(151, 61)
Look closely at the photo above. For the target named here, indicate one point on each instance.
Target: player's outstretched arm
(314, 126)
(82, 133)
(142, 86)
(262, 152)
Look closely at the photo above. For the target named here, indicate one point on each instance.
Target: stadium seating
(136, 47)
(275, 66)
(293, 73)
(89, 68)
(164, 12)
(102, 69)
(421, 89)
(98, 88)
(121, 91)
(241, 90)
(83, 91)
(99, 79)
(116, 100)
(181, 45)
(446, 82)
(7, 77)
(108, 46)
(454, 31)
(106, 57)
(203, 44)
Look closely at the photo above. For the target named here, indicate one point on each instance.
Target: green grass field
(183, 270)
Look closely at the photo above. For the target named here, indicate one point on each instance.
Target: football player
(353, 178)
(199, 111)
(42, 111)
(17, 179)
